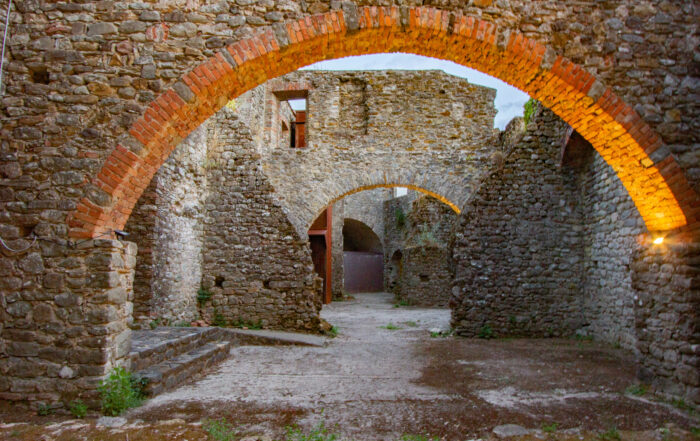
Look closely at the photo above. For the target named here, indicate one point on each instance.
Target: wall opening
(363, 258)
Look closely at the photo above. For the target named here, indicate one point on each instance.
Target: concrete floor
(372, 383)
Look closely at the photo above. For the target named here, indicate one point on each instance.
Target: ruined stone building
(170, 121)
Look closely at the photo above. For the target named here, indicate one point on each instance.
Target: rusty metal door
(364, 271)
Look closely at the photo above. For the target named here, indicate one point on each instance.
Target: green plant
(119, 391)
(411, 324)
(611, 434)
(220, 430)
(486, 332)
(695, 431)
(219, 319)
(428, 238)
(402, 302)
(390, 327)
(583, 337)
(549, 428)
(14, 433)
(203, 296)
(44, 409)
(400, 217)
(153, 324)
(78, 408)
(637, 389)
(681, 404)
(318, 433)
(333, 332)
(529, 110)
(408, 437)
(182, 324)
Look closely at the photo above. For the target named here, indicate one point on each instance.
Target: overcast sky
(509, 100)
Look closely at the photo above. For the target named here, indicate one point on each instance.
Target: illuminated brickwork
(659, 189)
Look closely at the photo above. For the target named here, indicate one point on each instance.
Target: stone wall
(395, 224)
(337, 271)
(426, 129)
(667, 318)
(425, 277)
(68, 326)
(211, 222)
(518, 246)
(142, 231)
(168, 225)
(417, 260)
(611, 231)
(255, 264)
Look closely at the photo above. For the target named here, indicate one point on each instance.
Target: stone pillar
(338, 269)
(666, 279)
(61, 340)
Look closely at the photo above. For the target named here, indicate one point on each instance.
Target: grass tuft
(549, 428)
(220, 430)
(637, 389)
(612, 434)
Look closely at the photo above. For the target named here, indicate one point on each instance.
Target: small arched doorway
(363, 258)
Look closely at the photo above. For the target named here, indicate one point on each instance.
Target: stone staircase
(167, 357)
(170, 356)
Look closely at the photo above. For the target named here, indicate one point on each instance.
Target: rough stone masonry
(218, 215)
(98, 94)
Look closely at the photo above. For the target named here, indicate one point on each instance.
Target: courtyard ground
(386, 375)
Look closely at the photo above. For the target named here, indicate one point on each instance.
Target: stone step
(175, 371)
(270, 337)
(154, 346)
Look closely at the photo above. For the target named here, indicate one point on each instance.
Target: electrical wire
(4, 39)
(17, 251)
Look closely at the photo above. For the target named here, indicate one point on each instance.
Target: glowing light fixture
(659, 240)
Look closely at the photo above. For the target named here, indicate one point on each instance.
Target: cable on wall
(7, 247)
(4, 40)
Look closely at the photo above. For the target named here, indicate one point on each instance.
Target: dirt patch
(535, 382)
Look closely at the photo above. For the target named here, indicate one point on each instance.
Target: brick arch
(652, 177)
(318, 210)
(453, 206)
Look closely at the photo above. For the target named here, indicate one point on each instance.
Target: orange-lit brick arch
(439, 197)
(652, 177)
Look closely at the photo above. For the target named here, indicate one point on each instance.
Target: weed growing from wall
(530, 106)
(400, 217)
(78, 409)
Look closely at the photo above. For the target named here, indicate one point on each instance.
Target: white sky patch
(298, 104)
(400, 191)
(509, 100)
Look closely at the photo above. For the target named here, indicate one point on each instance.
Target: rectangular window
(291, 117)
